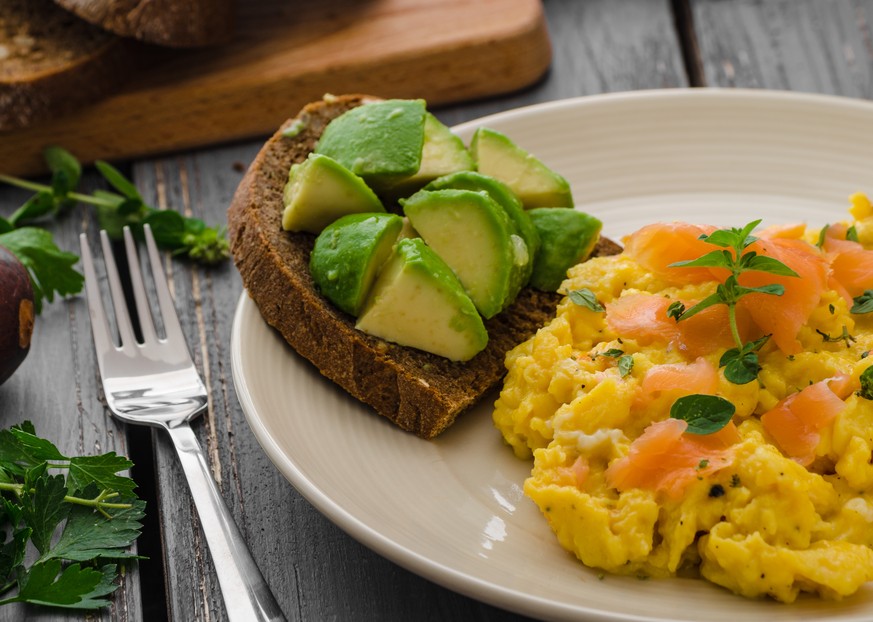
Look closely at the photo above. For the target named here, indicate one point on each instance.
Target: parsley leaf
(75, 586)
(866, 378)
(51, 269)
(863, 303)
(42, 504)
(852, 234)
(101, 470)
(21, 449)
(705, 414)
(675, 310)
(89, 515)
(612, 353)
(85, 538)
(625, 365)
(585, 298)
(822, 236)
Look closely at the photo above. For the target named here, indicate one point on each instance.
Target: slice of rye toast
(420, 392)
(51, 62)
(169, 23)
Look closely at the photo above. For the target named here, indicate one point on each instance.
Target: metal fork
(155, 383)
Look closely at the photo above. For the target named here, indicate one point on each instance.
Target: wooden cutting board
(288, 52)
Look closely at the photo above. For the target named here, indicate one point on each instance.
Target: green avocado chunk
(320, 190)
(348, 254)
(500, 192)
(443, 153)
(568, 236)
(476, 238)
(381, 141)
(417, 301)
(535, 184)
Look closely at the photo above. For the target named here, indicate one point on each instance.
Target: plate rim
(452, 578)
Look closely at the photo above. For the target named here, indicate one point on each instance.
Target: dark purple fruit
(16, 313)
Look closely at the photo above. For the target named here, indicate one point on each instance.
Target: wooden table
(316, 570)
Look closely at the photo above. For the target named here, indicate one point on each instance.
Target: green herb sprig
(740, 363)
(123, 206)
(81, 523)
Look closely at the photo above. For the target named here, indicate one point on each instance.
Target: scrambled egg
(783, 506)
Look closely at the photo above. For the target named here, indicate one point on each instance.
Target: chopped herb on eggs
(705, 414)
(863, 303)
(585, 298)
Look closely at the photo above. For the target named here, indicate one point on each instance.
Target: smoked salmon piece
(794, 230)
(795, 422)
(851, 263)
(783, 316)
(643, 317)
(677, 380)
(666, 459)
(843, 385)
(658, 245)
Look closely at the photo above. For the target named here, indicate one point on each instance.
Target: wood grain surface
(797, 45)
(303, 555)
(317, 571)
(285, 54)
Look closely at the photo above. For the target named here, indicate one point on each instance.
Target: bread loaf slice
(420, 392)
(52, 62)
(163, 22)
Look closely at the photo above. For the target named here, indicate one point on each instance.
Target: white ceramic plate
(452, 510)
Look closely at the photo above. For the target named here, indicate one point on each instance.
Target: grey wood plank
(57, 389)
(798, 45)
(317, 571)
(598, 46)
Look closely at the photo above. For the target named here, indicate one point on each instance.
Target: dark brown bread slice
(420, 392)
(51, 62)
(171, 23)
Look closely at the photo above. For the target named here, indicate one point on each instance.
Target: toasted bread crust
(420, 392)
(52, 63)
(162, 22)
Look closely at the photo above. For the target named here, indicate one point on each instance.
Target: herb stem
(732, 318)
(23, 183)
(91, 200)
(97, 502)
(37, 187)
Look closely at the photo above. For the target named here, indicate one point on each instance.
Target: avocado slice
(380, 141)
(568, 236)
(443, 153)
(475, 237)
(500, 192)
(320, 190)
(348, 254)
(418, 302)
(535, 184)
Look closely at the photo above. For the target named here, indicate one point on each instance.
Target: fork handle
(246, 595)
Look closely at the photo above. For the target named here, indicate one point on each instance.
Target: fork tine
(139, 294)
(165, 300)
(122, 317)
(99, 324)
